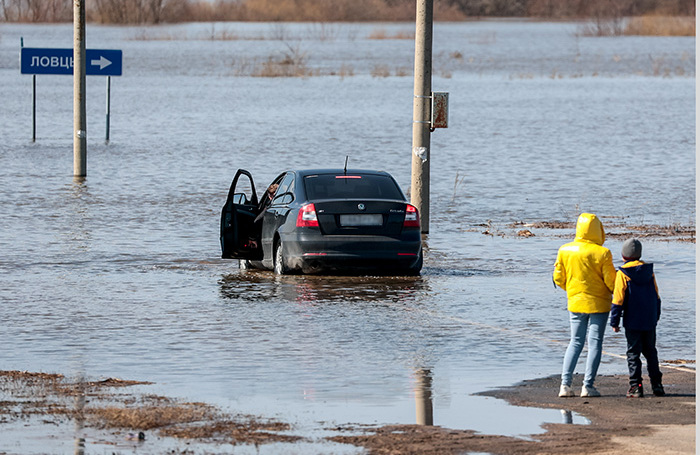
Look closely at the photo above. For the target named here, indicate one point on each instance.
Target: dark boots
(635, 391)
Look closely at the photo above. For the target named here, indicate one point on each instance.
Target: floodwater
(119, 275)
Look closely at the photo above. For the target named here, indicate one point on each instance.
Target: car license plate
(361, 220)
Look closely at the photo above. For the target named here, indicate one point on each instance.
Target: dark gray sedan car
(322, 220)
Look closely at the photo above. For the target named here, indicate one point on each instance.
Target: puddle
(33, 436)
(42, 410)
(47, 409)
(492, 416)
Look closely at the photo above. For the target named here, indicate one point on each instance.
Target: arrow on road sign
(102, 62)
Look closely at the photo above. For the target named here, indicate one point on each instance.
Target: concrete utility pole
(79, 117)
(422, 102)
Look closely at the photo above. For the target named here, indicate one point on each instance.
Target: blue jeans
(594, 324)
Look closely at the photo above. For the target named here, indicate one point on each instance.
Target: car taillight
(307, 216)
(412, 219)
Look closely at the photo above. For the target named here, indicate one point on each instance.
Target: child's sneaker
(635, 391)
(658, 390)
(566, 391)
(591, 391)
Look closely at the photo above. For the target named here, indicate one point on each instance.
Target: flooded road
(119, 275)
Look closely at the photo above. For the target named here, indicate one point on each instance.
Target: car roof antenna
(345, 170)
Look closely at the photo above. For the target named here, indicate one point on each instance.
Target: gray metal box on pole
(439, 110)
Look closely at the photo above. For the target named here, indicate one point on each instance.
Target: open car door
(238, 233)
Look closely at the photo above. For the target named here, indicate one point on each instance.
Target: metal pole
(79, 117)
(21, 45)
(109, 86)
(420, 166)
(33, 107)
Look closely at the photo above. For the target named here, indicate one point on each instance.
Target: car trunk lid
(361, 217)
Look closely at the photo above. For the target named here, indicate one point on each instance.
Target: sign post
(33, 107)
(53, 61)
(109, 90)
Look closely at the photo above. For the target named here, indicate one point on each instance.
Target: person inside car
(265, 202)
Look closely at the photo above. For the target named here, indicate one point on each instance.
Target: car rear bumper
(315, 251)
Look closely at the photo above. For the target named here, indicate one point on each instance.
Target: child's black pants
(642, 342)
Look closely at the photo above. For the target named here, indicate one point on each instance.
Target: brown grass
(316, 11)
(274, 67)
(673, 232)
(144, 35)
(155, 413)
(96, 404)
(251, 430)
(321, 11)
(661, 26)
(381, 34)
(650, 25)
(325, 11)
(344, 71)
(381, 71)
(291, 64)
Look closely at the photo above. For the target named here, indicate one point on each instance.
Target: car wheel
(280, 267)
(417, 266)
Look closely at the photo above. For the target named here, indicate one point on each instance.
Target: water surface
(120, 276)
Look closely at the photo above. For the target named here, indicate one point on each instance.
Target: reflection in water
(248, 286)
(567, 416)
(313, 289)
(424, 397)
(77, 204)
(79, 241)
(570, 417)
(311, 292)
(79, 417)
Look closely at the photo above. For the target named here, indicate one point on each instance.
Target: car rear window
(351, 186)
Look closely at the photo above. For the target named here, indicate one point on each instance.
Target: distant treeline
(173, 11)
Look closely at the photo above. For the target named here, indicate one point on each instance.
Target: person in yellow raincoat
(585, 270)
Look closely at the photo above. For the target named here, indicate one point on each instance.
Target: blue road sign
(98, 62)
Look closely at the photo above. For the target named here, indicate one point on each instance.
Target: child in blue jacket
(636, 300)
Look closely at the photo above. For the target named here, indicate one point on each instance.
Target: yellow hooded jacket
(584, 268)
